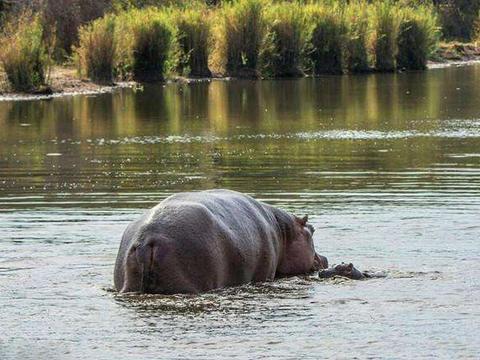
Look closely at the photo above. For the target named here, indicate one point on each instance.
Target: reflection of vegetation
(251, 136)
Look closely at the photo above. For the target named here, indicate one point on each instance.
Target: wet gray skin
(345, 270)
(194, 242)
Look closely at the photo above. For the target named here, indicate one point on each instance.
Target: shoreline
(65, 82)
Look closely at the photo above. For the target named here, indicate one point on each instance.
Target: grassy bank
(253, 38)
(24, 54)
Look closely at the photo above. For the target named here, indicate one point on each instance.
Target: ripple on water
(387, 167)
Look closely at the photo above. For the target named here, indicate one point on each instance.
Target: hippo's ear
(302, 221)
(350, 266)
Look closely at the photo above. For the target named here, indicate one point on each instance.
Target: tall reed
(96, 54)
(240, 30)
(418, 37)
(326, 38)
(284, 46)
(193, 26)
(385, 22)
(152, 45)
(24, 56)
(357, 34)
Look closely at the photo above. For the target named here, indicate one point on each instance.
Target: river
(386, 165)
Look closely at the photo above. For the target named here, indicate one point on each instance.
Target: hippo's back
(198, 241)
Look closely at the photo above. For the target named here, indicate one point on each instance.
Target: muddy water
(387, 166)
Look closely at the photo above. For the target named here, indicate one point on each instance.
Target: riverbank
(456, 51)
(64, 80)
(242, 38)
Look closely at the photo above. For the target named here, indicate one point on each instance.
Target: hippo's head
(345, 270)
(299, 255)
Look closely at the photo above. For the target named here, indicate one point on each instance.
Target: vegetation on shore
(24, 53)
(96, 55)
(285, 44)
(193, 34)
(242, 38)
(240, 29)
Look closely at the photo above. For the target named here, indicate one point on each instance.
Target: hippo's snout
(328, 273)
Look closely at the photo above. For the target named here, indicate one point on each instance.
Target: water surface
(387, 167)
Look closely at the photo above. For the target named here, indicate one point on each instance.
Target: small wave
(305, 136)
(379, 274)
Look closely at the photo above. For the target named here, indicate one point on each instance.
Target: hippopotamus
(194, 242)
(345, 270)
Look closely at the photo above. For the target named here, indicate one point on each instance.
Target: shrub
(67, 16)
(417, 39)
(194, 41)
(326, 39)
(385, 22)
(357, 34)
(96, 54)
(151, 45)
(239, 33)
(284, 47)
(458, 18)
(24, 55)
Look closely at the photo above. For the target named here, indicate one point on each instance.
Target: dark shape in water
(345, 270)
(199, 241)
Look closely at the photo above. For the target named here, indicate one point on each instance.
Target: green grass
(385, 17)
(240, 38)
(357, 35)
(96, 54)
(137, 44)
(194, 30)
(284, 46)
(327, 37)
(152, 45)
(24, 56)
(418, 37)
(239, 33)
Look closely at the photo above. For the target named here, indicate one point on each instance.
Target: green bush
(284, 48)
(194, 41)
(66, 17)
(385, 21)
(458, 18)
(24, 56)
(152, 46)
(239, 33)
(326, 38)
(417, 39)
(357, 34)
(96, 54)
